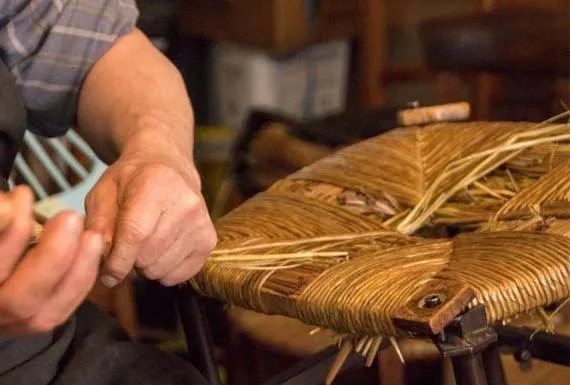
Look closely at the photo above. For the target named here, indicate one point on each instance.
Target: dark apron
(12, 122)
(90, 348)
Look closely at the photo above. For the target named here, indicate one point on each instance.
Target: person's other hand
(41, 288)
(151, 214)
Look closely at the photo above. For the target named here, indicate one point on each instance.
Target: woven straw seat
(342, 244)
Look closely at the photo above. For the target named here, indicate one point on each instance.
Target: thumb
(101, 214)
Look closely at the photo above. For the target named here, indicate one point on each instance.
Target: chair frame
(468, 341)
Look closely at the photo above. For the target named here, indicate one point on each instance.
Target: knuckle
(190, 202)
(158, 242)
(135, 232)
(146, 259)
(153, 272)
(152, 251)
(118, 269)
(100, 224)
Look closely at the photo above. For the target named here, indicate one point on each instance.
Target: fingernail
(109, 281)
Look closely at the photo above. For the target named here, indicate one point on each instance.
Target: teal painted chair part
(56, 157)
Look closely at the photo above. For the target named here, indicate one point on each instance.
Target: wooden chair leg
(197, 332)
(391, 371)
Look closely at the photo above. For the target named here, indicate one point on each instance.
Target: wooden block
(419, 318)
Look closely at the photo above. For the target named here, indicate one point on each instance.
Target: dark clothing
(13, 122)
(90, 349)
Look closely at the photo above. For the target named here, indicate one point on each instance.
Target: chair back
(60, 171)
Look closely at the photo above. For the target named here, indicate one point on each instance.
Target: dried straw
(463, 172)
(358, 296)
(404, 180)
(374, 188)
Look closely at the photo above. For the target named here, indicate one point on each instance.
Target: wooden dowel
(345, 350)
(374, 351)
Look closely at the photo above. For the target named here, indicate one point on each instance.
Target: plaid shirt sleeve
(50, 45)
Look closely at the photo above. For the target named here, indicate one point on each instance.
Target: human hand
(41, 288)
(151, 214)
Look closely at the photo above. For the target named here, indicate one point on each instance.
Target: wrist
(149, 135)
(162, 146)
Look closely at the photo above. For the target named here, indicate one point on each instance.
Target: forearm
(134, 95)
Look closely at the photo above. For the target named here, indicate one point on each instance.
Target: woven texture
(349, 241)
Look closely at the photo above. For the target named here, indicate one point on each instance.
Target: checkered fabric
(50, 45)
